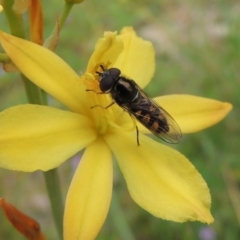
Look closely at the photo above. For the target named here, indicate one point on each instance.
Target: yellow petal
(90, 193)
(106, 52)
(194, 113)
(46, 70)
(36, 137)
(137, 59)
(160, 179)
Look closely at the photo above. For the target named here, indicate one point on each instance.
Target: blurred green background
(197, 47)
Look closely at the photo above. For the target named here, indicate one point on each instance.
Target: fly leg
(137, 135)
(102, 106)
(91, 90)
(137, 131)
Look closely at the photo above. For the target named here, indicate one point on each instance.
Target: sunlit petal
(161, 180)
(137, 59)
(107, 50)
(46, 70)
(36, 137)
(194, 113)
(90, 193)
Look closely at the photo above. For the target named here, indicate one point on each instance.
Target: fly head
(108, 78)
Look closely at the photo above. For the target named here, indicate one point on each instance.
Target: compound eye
(114, 72)
(108, 79)
(106, 83)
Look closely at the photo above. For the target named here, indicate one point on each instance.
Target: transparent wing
(154, 118)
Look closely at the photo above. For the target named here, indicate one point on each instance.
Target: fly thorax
(125, 91)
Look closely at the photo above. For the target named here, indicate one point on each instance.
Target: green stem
(15, 20)
(119, 219)
(67, 8)
(33, 92)
(52, 40)
(53, 183)
(36, 96)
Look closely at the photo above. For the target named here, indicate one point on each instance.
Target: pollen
(90, 82)
(100, 104)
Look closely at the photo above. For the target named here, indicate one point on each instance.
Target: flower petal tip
(194, 113)
(210, 220)
(205, 216)
(228, 107)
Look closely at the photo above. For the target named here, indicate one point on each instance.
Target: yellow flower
(160, 179)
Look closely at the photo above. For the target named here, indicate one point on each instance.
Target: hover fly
(129, 96)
